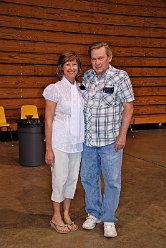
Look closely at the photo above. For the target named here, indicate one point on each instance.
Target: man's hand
(120, 142)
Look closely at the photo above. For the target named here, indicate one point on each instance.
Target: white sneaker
(109, 230)
(90, 222)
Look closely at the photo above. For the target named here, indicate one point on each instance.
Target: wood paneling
(128, 7)
(49, 48)
(34, 32)
(65, 26)
(50, 59)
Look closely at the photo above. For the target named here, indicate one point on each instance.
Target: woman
(64, 131)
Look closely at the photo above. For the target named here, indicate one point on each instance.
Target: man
(108, 96)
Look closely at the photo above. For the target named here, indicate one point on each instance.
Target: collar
(64, 79)
(110, 68)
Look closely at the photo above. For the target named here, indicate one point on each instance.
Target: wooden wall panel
(34, 32)
(47, 48)
(148, 3)
(51, 59)
(59, 26)
(60, 37)
(146, 8)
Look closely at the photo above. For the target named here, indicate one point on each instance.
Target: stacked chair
(29, 111)
(4, 124)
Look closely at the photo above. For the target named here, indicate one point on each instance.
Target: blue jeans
(105, 160)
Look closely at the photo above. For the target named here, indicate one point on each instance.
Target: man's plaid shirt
(104, 98)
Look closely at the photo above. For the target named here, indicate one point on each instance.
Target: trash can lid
(30, 122)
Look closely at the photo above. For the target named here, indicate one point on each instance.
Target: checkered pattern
(103, 111)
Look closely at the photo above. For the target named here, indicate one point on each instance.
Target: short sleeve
(126, 89)
(51, 93)
(84, 79)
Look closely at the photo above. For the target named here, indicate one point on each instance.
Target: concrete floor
(25, 206)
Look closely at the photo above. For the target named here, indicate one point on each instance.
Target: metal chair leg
(11, 136)
(132, 131)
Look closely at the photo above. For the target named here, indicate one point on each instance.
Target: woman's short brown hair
(66, 57)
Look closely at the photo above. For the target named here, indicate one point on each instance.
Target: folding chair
(29, 111)
(4, 124)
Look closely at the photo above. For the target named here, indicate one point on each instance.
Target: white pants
(64, 175)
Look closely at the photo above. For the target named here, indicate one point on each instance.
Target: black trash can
(31, 142)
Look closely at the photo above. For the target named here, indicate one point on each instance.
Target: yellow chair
(3, 122)
(29, 111)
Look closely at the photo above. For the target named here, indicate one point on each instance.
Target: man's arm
(126, 118)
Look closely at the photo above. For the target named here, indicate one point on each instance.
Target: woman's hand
(49, 157)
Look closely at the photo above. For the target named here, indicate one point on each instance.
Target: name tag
(82, 87)
(108, 90)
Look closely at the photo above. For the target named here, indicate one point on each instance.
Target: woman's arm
(49, 115)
